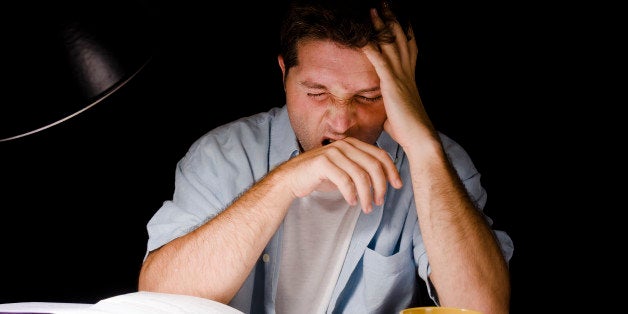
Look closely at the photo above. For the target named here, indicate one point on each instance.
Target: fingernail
(398, 183)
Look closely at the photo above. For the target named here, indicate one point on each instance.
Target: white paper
(132, 303)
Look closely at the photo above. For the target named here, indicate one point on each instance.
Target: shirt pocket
(390, 281)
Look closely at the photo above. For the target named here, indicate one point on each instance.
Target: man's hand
(395, 64)
(360, 171)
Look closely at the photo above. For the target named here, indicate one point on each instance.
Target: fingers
(390, 52)
(369, 168)
(413, 50)
(383, 160)
(351, 178)
(360, 172)
(402, 53)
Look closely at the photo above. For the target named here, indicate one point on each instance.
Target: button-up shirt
(386, 251)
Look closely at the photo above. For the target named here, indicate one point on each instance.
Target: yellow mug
(437, 310)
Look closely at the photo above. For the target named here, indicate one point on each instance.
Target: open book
(132, 303)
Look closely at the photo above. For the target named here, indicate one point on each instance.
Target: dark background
(76, 197)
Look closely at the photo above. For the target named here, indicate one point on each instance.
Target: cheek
(305, 128)
(298, 101)
(300, 107)
(305, 117)
(373, 115)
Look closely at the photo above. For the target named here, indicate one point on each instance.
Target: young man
(346, 199)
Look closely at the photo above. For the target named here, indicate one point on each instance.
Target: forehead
(325, 62)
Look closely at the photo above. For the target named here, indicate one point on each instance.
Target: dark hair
(346, 22)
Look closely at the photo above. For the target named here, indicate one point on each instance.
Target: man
(344, 200)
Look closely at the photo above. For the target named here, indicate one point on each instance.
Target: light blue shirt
(386, 250)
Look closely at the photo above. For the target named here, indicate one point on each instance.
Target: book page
(143, 302)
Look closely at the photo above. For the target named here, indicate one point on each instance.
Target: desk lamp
(63, 57)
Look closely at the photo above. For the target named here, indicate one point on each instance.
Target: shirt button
(266, 258)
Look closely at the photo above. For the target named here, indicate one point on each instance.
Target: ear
(282, 65)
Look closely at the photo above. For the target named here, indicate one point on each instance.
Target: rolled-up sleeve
(217, 168)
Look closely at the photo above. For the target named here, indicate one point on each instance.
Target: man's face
(333, 93)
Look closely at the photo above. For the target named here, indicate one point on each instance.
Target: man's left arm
(468, 269)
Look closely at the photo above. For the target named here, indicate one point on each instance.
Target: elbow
(497, 300)
(154, 278)
(146, 280)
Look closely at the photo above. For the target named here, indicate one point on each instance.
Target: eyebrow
(308, 84)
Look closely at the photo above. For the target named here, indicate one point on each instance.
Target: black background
(76, 197)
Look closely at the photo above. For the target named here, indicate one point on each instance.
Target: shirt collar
(386, 143)
(283, 141)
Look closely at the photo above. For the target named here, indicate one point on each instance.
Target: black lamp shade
(61, 58)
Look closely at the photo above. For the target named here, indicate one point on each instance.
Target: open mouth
(327, 141)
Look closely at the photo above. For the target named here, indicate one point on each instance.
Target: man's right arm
(214, 260)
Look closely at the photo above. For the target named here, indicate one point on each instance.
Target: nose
(341, 115)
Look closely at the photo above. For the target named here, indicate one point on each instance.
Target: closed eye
(363, 99)
(357, 98)
(319, 95)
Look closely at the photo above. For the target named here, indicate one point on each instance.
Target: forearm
(214, 260)
(467, 267)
